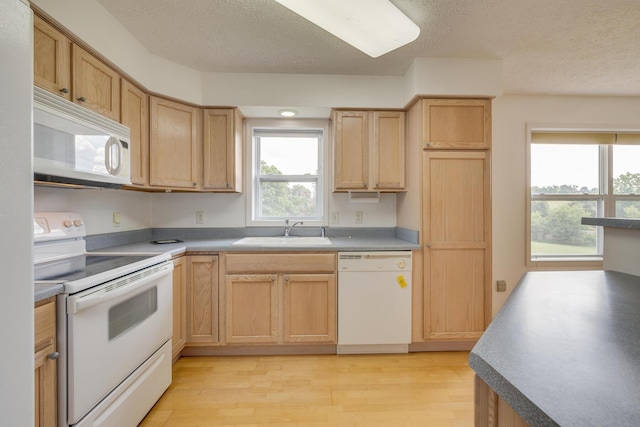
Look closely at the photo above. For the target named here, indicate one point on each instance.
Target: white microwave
(73, 145)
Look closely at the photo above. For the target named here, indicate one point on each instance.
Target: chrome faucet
(287, 228)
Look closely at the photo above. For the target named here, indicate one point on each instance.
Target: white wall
(303, 90)
(97, 207)
(510, 115)
(453, 77)
(16, 222)
(228, 210)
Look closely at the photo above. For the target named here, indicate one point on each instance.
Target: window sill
(581, 263)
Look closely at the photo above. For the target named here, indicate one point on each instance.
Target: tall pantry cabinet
(453, 186)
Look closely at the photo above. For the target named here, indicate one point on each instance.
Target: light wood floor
(416, 389)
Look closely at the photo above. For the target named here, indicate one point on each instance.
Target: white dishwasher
(374, 302)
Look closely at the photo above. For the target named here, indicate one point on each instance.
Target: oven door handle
(116, 288)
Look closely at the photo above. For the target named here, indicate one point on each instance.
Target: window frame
(606, 199)
(253, 177)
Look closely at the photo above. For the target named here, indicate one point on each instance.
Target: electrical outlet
(199, 217)
(335, 217)
(501, 285)
(115, 219)
(358, 217)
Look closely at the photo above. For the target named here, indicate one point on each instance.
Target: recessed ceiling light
(373, 26)
(288, 113)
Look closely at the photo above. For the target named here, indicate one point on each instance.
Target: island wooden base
(491, 410)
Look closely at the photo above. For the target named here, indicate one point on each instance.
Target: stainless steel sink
(283, 241)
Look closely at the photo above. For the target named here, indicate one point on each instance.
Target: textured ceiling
(547, 46)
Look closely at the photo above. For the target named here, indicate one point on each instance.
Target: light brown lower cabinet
(280, 298)
(202, 299)
(45, 364)
(179, 337)
(309, 308)
(251, 308)
(491, 410)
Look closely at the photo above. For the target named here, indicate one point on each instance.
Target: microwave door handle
(113, 289)
(112, 152)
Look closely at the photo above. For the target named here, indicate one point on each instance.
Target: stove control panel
(49, 226)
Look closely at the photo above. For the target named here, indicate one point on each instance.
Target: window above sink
(287, 171)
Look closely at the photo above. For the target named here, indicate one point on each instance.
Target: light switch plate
(335, 217)
(358, 217)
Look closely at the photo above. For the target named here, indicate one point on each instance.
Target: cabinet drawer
(45, 329)
(280, 263)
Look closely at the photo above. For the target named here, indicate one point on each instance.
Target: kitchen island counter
(564, 350)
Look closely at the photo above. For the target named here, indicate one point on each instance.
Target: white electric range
(114, 324)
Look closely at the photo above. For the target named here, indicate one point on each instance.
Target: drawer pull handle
(53, 356)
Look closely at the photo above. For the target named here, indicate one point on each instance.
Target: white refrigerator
(16, 214)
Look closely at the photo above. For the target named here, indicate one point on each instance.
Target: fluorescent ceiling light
(373, 26)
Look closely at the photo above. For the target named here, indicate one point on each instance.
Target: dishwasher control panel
(374, 261)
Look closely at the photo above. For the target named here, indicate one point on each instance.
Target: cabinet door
(351, 150)
(388, 150)
(95, 85)
(222, 149)
(457, 257)
(135, 115)
(457, 123)
(51, 61)
(202, 299)
(251, 308)
(45, 361)
(309, 308)
(178, 338)
(173, 144)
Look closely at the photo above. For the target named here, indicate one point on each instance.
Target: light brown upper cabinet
(369, 150)
(51, 60)
(463, 124)
(68, 70)
(173, 144)
(222, 139)
(135, 115)
(95, 85)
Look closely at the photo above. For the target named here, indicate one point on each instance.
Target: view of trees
(282, 199)
(559, 221)
(627, 183)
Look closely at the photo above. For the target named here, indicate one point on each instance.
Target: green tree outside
(559, 222)
(627, 183)
(282, 199)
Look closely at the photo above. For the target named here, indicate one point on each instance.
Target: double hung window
(287, 174)
(575, 175)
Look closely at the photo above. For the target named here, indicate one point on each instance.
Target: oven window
(131, 312)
